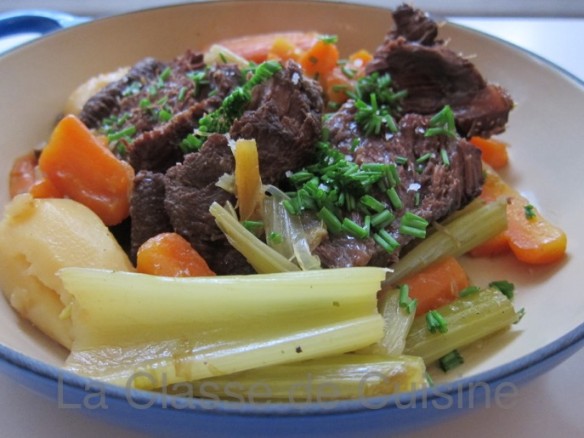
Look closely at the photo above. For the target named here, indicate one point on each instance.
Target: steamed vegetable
(398, 315)
(348, 376)
(436, 285)
(453, 239)
(169, 254)
(466, 320)
(141, 330)
(257, 47)
(37, 238)
(248, 182)
(264, 259)
(83, 169)
(494, 152)
(529, 235)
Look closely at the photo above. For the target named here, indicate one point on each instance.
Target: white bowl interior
(546, 152)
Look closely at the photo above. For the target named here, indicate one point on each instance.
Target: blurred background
(531, 8)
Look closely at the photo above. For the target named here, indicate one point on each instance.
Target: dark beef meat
(434, 76)
(162, 104)
(190, 191)
(284, 117)
(147, 209)
(414, 24)
(442, 188)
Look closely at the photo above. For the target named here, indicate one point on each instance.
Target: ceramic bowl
(546, 163)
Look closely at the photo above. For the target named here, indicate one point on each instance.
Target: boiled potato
(90, 87)
(37, 238)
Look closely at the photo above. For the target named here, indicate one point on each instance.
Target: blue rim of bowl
(518, 370)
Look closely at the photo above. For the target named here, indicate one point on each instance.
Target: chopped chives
(529, 211)
(252, 225)
(182, 94)
(507, 288)
(164, 115)
(444, 156)
(394, 198)
(436, 322)
(470, 290)
(412, 231)
(450, 361)
(372, 203)
(401, 160)
(405, 301)
(290, 206)
(328, 39)
(383, 243)
(382, 219)
(417, 199)
(388, 238)
(275, 238)
(354, 229)
(166, 74)
(127, 132)
(145, 103)
(332, 222)
(424, 158)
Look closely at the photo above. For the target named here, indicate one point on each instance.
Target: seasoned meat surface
(284, 117)
(434, 76)
(430, 189)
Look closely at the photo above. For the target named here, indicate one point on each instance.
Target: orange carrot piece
(360, 58)
(532, 238)
(248, 183)
(81, 168)
(494, 152)
(44, 188)
(320, 59)
(170, 255)
(283, 50)
(22, 174)
(337, 85)
(437, 285)
(256, 47)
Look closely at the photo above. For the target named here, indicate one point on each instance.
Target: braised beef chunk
(147, 209)
(414, 25)
(431, 189)
(434, 76)
(156, 105)
(284, 117)
(190, 191)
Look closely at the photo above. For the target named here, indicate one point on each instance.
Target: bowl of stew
(333, 98)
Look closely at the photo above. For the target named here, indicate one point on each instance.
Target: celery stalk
(455, 238)
(397, 326)
(182, 329)
(347, 376)
(468, 320)
(265, 260)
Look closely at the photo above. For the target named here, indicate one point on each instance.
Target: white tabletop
(547, 406)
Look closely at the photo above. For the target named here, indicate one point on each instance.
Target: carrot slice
(437, 285)
(320, 59)
(530, 237)
(170, 255)
(494, 152)
(248, 183)
(22, 174)
(44, 188)
(81, 168)
(257, 47)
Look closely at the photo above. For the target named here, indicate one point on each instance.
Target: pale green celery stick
(468, 320)
(397, 326)
(453, 239)
(347, 376)
(294, 243)
(170, 330)
(261, 257)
